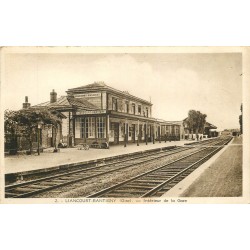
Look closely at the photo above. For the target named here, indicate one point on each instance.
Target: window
(146, 112)
(50, 131)
(90, 127)
(130, 129)
(139, 109)
(100, 127)
(148, 132)
(127, 107)
(172, 130)
(78, 127)
(133, 108)
(114, 104)
(177, 130)
(168, 129)
(82, 127)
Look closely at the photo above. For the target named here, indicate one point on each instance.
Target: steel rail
(11, 188)
(160, 186)
(65, 183)
(84, 170)
(109, 189)
(106, 190)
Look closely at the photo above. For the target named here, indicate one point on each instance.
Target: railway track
(161, 179)
(37, 186)
(202, 143)
(45, 184)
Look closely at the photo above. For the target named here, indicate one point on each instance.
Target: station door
(140, 132)
(150, 133)
(115, 127)
(133, 132)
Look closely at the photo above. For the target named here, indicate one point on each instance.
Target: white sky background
(176, 83)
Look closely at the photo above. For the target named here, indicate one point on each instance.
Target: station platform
(48, 159)
(220, 176)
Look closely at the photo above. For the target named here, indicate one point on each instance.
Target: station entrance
(133, 132)
(115, 128)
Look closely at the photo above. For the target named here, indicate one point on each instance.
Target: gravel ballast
(87, 187)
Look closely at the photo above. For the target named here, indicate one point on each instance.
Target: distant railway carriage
(214, 134)
(226, 132)
(235, 133)
(232, 132)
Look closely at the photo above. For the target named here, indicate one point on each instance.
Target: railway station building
(100, 115)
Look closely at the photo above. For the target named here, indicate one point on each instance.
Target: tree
(10, 125)
(191, 121)
(201, 122)
(241, 119)
(196, 122)
(25, 122)
(10, 128)
(53, 118)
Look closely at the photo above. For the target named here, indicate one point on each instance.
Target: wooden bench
(82, 146)
(95, 145)
(99, 145)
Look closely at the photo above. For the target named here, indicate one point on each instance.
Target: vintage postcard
(134, 125)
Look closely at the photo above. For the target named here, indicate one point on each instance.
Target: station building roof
(210, 126)
(101, 86)
(66, 102)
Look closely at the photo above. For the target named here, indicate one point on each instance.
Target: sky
(175, 83)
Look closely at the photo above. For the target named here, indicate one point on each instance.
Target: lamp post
(153, 133)
(138, 132)
(159, 130)
(39, 126)
(125, 134)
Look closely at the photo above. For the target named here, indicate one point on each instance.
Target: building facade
(97, 114)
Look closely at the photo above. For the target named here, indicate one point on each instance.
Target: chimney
(53, 96)
(26, 104)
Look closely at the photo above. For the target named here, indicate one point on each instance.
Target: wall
(121, 105)
(47, 136)
(94, 98)
(80, 137)
(65, 126)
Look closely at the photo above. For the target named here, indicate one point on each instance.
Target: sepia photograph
(123, 125)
